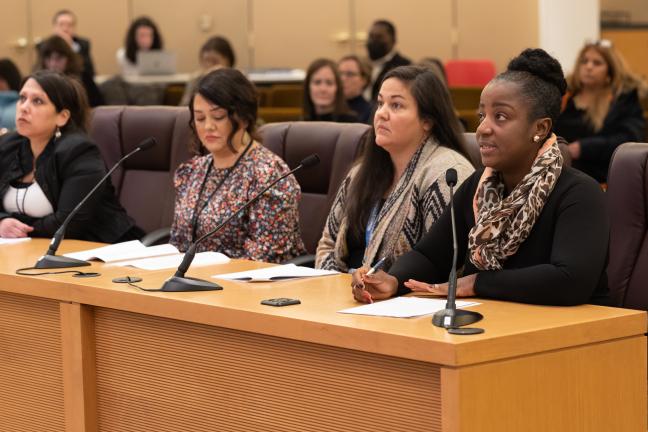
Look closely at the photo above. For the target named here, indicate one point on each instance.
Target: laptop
(156, 62)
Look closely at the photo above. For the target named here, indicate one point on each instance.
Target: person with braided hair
(531, 229)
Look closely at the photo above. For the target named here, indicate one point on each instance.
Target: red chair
(469, 72)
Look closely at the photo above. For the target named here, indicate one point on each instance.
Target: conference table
(86, 354)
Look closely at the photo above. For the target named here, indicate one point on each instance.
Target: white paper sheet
(173, 261)
(404, 307)
(124, 251)
(274, 273)
(108, 253)
(7, 241)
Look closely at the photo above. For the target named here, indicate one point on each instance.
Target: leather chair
(627, 199)
(144, 183)
(336, 144)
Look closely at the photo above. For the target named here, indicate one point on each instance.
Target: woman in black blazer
(49, 164)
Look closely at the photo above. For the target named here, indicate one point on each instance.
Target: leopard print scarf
(502, 224)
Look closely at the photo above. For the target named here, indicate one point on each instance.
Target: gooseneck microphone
(50, 259)
(451, 317)
(179, 282)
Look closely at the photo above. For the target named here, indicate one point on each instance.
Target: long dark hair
(56, 44)
(376, 169)
(131, 43)
(65, 93)
(340, 106)
(220, 45)
(231, 90)
(10, 73)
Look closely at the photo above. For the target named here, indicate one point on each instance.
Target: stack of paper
(275, 273)
(404, 307)
(122, 251)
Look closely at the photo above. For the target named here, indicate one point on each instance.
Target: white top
(127, 68)
(29, 200)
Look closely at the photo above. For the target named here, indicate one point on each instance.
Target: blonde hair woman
(601, 109)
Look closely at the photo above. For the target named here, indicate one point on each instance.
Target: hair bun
(539, 63)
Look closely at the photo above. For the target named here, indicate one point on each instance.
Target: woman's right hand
(378, 286)
(13, 228)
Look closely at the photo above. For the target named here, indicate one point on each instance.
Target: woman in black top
(601, 110)
(49, 165)
(323, 94)
(529, 229)
(355, 75)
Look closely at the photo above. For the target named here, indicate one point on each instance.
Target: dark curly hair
(541, 81)
(131, 43)
(231, 90)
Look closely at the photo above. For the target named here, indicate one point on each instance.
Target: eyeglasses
(348, 74)
(604, 43)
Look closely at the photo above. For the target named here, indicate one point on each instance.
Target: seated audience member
(355, 75)
(142, 35)
(381, 48)
(235, 167)
(397, 189)
(9, 86)
(324, 94)
(436, 66)
(531, 229)
(215, 53)
(49, 165)
(56, 55)
(64, 25)
(601, 110)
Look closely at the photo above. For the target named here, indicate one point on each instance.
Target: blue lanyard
(371, 223)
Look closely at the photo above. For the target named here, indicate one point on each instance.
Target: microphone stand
(179, 282)
(50, 260)
(451, 317)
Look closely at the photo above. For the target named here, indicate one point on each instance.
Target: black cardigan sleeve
(430, 260)
(578, 248)
(624, 123)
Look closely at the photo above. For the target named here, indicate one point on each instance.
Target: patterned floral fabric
(502, 224)
(416, 202)
(267, 231)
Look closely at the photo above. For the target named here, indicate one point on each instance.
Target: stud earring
(536, 138)
(57, 134)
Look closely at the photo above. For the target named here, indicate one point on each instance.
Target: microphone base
(451, 318)
(180, 284)
(54, 261)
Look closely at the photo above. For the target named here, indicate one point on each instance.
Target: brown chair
(144, 183)
(336, 144)
(627, 199)
(275, 115)
(286, 96)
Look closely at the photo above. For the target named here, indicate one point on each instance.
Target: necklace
(198, 209)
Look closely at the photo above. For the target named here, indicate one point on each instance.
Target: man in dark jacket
(64, 25)
(381, 49)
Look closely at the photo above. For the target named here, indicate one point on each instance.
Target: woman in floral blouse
(234, 168)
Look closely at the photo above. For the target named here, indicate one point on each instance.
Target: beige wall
(284, 33)
(636, 10)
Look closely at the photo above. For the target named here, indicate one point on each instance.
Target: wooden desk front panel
(166, 375)
(31, 375)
